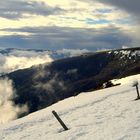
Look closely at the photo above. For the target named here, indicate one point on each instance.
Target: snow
(136, 53)
(127, 80)
(126, 53)
(109, 114)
